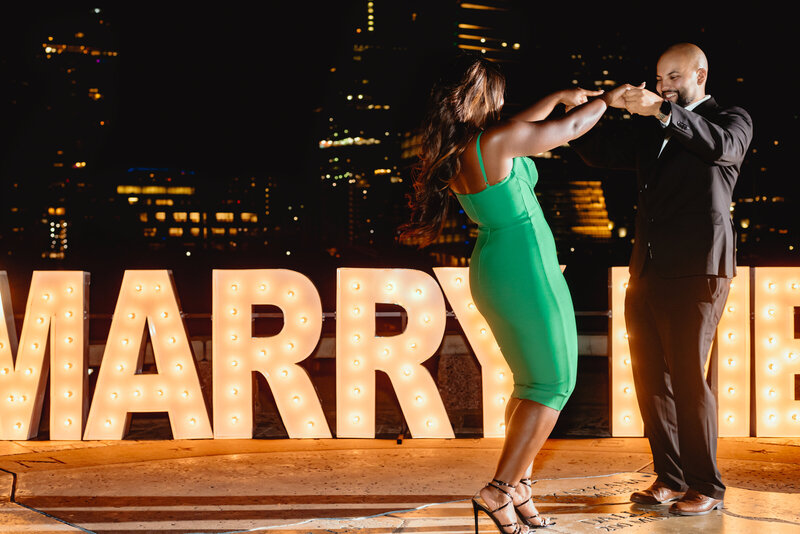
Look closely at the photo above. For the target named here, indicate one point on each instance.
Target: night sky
(203, 88)
(232, 89)
(224, 88)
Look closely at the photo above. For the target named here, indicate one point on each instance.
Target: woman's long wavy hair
(463, 102)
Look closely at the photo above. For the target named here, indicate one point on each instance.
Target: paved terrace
(380, 485)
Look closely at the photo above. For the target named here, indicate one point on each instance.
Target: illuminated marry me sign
(53, 342)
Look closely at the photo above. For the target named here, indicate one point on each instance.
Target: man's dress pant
(671, 323)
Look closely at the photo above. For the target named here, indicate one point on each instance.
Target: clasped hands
(636, 99)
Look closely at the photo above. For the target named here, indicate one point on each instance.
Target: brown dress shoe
(657, 493)
(694, 503)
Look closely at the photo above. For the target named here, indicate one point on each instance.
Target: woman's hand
(577, 96)
(616, 97)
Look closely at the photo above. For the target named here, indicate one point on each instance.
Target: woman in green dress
(514, 273)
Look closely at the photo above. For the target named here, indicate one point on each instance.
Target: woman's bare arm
(523, 138)
(544, 107)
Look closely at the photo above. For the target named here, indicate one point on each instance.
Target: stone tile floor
(367, 486)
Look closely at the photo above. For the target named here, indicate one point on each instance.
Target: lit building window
(129, 189)
(194, 216)
(195, 231)
(327, 143)
(179, 216)
(153, 190)
(161, 216)
(143, 217)
(249, 217)
(176, 231)
(180, 190)
(224, 216)
(164, 202)
(149, 232)
(482, 7)
(218, 231)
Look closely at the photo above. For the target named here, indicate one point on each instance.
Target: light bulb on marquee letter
(57, 302)
(495, 375)
(626, 419)
(776, 366)
(733, 369)
(419, 294)
(276, 357)
(147, 300)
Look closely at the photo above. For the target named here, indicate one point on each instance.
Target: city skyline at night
(254, 111)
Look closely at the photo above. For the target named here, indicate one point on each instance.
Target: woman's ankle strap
(495, 483)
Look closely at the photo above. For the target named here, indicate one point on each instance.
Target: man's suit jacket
(683, 221)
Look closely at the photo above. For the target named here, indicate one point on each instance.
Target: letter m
(53, 341)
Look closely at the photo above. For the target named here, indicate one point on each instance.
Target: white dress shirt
(690, 107)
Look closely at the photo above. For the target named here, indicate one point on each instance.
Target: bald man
(686, 151)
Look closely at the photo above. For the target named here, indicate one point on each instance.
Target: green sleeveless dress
(518, 287)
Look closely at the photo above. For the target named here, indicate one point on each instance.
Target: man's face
(676, 80)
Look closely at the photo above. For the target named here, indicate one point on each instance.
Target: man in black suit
(687, 152)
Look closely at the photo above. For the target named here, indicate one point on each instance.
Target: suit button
(645, 186)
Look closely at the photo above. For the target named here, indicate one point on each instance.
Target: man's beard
(683, 99)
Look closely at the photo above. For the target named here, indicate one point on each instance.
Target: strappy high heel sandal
(535, 520)
(476, 506)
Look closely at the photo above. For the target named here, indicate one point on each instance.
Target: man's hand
(642, 102)
(577, 96)
(615, 97)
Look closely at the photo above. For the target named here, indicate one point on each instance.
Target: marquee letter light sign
(56, 323)
(147, 299)
(626, 420)
(237, 354)
(733, 364)
(496, 377)
(733, 341)
(777, 352)
(57, 301)
(360, 353)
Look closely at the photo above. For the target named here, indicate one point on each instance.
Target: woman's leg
(529, 425)
(522, 495)
(510, 407)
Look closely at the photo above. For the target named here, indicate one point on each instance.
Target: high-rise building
(491, 28)
(361, 127)
(70, 105)
(376, 94)
(164, 208)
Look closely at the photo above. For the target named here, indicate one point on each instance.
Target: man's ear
(702, 73)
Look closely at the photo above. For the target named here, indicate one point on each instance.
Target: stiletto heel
(485, 509)
(528, 520)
